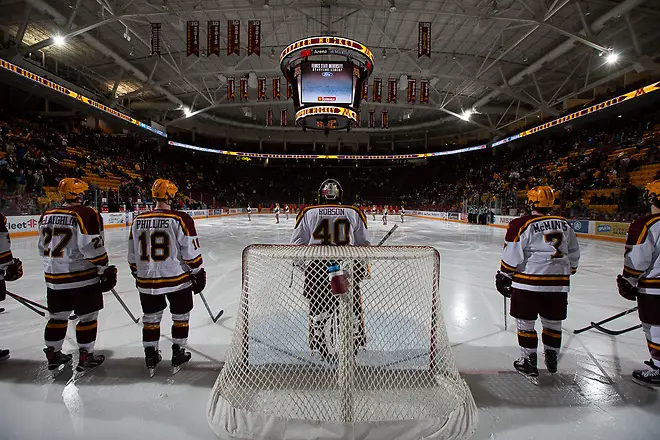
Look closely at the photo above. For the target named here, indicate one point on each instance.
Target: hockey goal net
(374, 363)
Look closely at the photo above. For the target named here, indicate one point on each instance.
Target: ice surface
(591, 398)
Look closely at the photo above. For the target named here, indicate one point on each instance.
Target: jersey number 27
(338, 234)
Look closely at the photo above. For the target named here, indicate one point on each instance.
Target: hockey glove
(14, 271)
(503, 284)
(108, 279)
(626, 290)
(198, 281)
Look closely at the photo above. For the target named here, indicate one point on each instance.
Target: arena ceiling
(503, 59)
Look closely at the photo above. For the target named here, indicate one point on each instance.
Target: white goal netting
(374, 363)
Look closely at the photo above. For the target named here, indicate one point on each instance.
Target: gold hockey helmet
(72, 189)
(163, 189)
(540, 197)
(652, 192)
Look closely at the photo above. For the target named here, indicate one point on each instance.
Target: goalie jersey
(642, 255)
(71, 244)
(335, 225)
(163, 250)
(6, 257)
(540, 253)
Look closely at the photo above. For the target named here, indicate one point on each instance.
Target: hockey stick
(615, 332)
(123, 304)
(384, 239)
(31, 304)
(208, 309)
(506, 321)
(604, 321)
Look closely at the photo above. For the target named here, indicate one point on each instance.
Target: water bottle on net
(338, 280)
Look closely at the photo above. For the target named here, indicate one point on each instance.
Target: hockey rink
(592, 396)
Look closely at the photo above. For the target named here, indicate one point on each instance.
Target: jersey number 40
(339, 234)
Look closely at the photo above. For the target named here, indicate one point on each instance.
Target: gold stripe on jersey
(573, 270)
(542, 277)
(652, 345)
(72, 214)
(182, 277)
(645, 230)
(6, 257)
(649, 282)
(163, 214)
(506, 268)
(194, 260)
(65, 276)
(99, 259)
(355, 208)
(631, 273)
(536, 219)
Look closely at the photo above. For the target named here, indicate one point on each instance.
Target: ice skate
(4, 355)
(551, 359)
(152, 358)
(88, 361)
(648, 377)
(179, 357)
(56, 360)
(527, 367)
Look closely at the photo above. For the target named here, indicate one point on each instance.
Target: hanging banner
(372, 120)
(378, 90)
(244, 89)
(233, 37)
(391, 91)
(192, 38)
(289, 90)
(231, 89)
(424, 39)
(276, 88)
(155, 38)
(412, 91)
(254, 37)
(283, 117)
(385, 120)
(269, 118)
(365, 91)
(213, 38)
(424, 91)
(261, 89)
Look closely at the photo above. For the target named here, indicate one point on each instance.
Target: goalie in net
(330, 224)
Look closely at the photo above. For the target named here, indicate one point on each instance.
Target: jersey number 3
(339, 234)
(555, 239)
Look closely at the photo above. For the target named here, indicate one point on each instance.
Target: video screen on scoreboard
(327, 82)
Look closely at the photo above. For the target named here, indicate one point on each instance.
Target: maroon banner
(155, 38)
(391, 91)
(378, 90)
(289, 90)
(244, 89)
(233, 37)
(372, 120)
(385, 120)
(424, 91)
(254, 37)
(424, 39)
(213, 38)
(283, 117)
(231, 89)
(365, 91)
(261, 89)
(276, 88)
(269, 118)
(412, 91)
(192, 38)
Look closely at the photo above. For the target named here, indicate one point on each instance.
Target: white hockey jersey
(163, 249)
(335, 225)
(540, 253)
(642, 255)
(6, 257)
(71, 244)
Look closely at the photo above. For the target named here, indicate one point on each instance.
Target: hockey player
(385, 208)
(165, 258)
(277, 213)
(374, 211)
(286, 211)
(641, 280)
(11, 268)
(540, 253)
(249, 211)
(330, 224)
(77, 274)
(402, 212)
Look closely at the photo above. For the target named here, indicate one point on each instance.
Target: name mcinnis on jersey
(152, 223)
(331, 211)
(62, 220)
(550, 225)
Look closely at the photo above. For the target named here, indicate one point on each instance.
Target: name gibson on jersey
(331, 211)
(155, 223)
(549, 225)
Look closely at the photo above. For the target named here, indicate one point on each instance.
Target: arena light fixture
(612, 57)
(467, 114)
(187, 112)
(58, 40)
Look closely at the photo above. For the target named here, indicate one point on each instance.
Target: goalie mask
(540, 197)
(330, 192)
(652, 193)
(73, 190)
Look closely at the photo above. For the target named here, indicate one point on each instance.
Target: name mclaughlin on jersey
(156, 223)
(550, 225)
(62, 220)
(331, 211)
